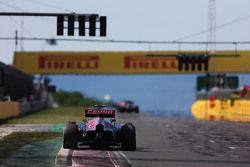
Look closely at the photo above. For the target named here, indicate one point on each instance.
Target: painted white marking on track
(125, 157)
(112, 160)
(94, 158)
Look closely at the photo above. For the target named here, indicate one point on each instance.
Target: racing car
(128, 106)
(99, 128)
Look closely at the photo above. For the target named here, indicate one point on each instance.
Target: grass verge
(50, 116)
(12, 144)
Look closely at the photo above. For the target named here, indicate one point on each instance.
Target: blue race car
(99, 128)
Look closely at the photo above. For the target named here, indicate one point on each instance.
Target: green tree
(66, 98)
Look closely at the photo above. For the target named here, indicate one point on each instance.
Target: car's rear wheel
(137, 110)
(70, 136)
(128, 140)
(122, 110)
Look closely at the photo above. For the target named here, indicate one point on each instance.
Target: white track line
(125, 157)
(121, 154)
(112, 160)
(63, 157)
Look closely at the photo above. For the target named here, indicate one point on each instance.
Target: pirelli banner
(125, 62)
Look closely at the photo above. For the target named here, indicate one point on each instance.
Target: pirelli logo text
(143, 62)
(69, 62)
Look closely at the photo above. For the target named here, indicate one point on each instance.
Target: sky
(158, 20)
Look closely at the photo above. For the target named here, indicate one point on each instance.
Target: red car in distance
(128, 106)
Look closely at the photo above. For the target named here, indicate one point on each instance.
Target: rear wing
(105, 113)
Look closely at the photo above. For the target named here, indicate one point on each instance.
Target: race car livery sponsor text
(99, 112)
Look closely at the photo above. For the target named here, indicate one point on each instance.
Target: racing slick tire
(137, 110)
(70, 135)
(122, 110)
(71, 122)
(134, 131)
(128, 140)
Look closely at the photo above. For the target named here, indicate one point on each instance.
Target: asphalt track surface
(171, 142)
(162, 141)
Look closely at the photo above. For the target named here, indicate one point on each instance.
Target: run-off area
(30, 149)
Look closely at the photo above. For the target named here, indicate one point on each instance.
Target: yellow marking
(201, 110)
